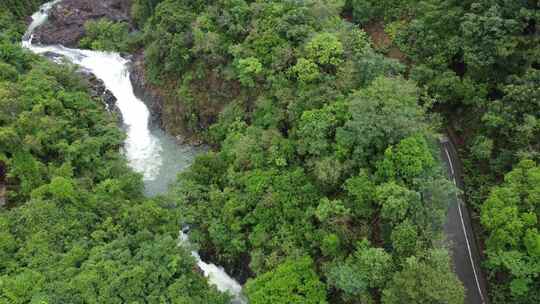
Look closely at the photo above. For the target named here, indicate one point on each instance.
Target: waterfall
(149, 151)
(216, 274)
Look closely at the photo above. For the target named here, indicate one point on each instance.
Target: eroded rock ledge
(156, 99)
(146, 92)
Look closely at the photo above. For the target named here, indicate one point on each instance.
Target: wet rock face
(67, 19)
(149, 94)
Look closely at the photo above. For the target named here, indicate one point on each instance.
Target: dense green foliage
(106, 35)
(325, 181)
(12, 14)
(366, 11)
(209, 55)
(78, 228)
(293, 282)
(479, 61)
(510, 215)
(424, 280)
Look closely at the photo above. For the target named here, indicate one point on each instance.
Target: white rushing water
(149, 151)
(216, 274)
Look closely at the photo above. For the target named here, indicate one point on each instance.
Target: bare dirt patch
(381, 41)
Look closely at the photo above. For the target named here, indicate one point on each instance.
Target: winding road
(458, 229)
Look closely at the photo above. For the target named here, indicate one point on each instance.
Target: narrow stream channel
(149, 151)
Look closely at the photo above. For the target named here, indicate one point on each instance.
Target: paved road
(458, 229)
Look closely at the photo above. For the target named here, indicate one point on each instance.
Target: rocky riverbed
(99, 90)
(65, 26)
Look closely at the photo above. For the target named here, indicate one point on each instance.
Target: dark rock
(98, 89)
(186, 228)
(155, 99)
(67, 19)
(196, 142)
(54, 56)
(146, 92)
(28, 20)
(180, 139)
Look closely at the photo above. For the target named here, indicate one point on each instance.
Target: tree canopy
(323, 181)
(322, 149)
(77, 228)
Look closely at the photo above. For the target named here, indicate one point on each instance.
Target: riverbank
(66, 27)
(150, 152)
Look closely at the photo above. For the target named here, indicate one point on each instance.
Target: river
(148, 149)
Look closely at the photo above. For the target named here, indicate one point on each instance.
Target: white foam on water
(147, 152)
(216, 274)
(143, 150)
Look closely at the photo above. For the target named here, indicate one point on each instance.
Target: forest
(79, 229)
(324, 181)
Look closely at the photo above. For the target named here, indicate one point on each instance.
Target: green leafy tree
(105, 35)
(368, 268)
(365, 11)
(362, 191)
(325, 49)
(397, 202)
(316, 131)
(405, 239)
(410, 160)
(426, 279)
(306, 70)
(510, 215)
(248, 70)
(382, 114)
(486, 35)
(294, 281)
(168, 52)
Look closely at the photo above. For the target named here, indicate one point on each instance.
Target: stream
(149, 150)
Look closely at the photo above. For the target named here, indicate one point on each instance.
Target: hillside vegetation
(78, 228)
(479, 60)
(326, 164)
(323, 181)
(323, 144)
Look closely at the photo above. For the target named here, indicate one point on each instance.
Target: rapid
(148, 149)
